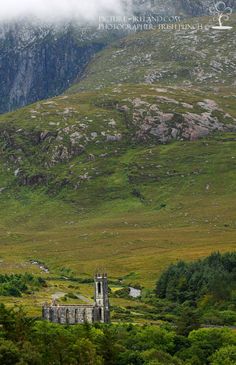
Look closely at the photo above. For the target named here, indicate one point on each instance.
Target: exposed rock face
(37, 62)
(152, 123)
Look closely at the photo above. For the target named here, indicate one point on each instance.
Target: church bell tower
(101, 298)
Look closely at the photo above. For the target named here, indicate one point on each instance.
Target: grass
(162, 57)
(179, 217)
(33, 303)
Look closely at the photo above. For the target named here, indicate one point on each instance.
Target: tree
(9, 353)
(108, 346)
(224, 356)
(84, 351)
(30, 355)
(206, 341)
(215, 275)
(15, 324)
(188, 321)
(157, 357)
(54, 342)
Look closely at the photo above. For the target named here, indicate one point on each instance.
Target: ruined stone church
(72, 314)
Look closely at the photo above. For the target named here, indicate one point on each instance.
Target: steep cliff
(38, 61)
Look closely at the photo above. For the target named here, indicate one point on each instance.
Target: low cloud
(58, 9)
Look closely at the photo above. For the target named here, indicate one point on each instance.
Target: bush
(9, 352)
(15, 285)
(122, 293)
(224, 356)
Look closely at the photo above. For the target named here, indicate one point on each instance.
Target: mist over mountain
(41, 61)
(54, 11)
(51, 10)
(46, 45)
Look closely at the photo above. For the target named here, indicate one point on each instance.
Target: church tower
(101, 298)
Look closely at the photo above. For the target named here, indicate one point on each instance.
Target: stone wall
(70, 314)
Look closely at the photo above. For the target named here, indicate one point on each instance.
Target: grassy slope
(143, 206)
(202, 57)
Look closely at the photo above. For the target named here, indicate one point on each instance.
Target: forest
(17, 284)
(188, 297)
(27, 341)
(214, 276)
(206, 286)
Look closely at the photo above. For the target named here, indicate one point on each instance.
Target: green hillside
(82, 177)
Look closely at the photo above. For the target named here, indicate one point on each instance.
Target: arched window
(58, 316)
(51, 312)
(76, 316)
(99, 287)
(67, 316)
(84, 316)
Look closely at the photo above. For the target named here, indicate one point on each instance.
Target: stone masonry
(72, 314)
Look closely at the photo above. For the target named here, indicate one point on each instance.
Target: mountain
(133, 166)
(123, 171)
(193, 54)
(113, 179)
(174, 7)
(38, 61)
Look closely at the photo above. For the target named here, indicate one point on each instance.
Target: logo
(221, 13)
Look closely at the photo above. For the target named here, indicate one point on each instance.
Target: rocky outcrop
(73, 135)
(151, 123)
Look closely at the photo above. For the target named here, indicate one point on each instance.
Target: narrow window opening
(100, 313)
(58, 316)
(76, 316)
(51, 314)
(67, 316)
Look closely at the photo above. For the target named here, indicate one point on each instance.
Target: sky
(57, 9)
